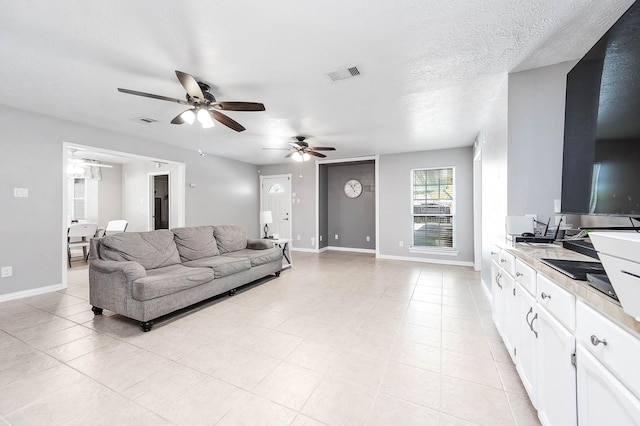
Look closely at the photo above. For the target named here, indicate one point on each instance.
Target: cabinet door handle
(494, 252)
(498, 280)
(545, 295)
(527, 317)
(535, 317)
(503, 260)
(518, 274)
(595, 341)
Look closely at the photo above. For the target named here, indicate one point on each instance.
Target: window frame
(453, 250)
(73, 197)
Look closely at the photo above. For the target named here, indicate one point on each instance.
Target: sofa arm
(259, 244)
(131, 270)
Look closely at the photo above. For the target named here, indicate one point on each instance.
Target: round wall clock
(353, 188)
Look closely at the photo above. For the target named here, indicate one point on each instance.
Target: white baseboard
(306, 250)
(355, 250)
(31, 292)
(424, 260)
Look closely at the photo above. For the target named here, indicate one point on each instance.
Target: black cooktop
(576, 269)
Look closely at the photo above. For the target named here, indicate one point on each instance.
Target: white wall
(110, 195)
(536, 136)
(494, 178)
(31, 229)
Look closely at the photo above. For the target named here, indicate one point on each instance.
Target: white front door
(275, 196)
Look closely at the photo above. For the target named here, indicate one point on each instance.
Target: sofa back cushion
(152, 249)
(195, 242)
(230, 238)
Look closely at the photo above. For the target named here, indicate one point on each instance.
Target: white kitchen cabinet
(526, 340)
(509, 324)
(556, 374)
(602, 398)
(497, 297)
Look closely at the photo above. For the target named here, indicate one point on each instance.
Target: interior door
(275, 196)
(160, 201)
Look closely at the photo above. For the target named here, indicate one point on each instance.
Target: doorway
(159, 194)
(275, 196)
(344, 221)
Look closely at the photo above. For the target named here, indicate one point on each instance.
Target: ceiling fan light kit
(203, 104)
(301, 151)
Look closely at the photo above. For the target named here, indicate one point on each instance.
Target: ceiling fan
(203, 105)
(301, 151)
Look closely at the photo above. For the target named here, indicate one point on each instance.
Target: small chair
(79, 232)
(116, 226)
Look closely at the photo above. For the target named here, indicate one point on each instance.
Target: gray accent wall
(31, 228)
(323, 210)
(352, 219)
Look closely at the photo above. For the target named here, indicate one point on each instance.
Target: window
(433, 208)
(78, 199)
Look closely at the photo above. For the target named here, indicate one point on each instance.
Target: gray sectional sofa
(144, 275)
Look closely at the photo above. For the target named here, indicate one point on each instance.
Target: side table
(283, 243)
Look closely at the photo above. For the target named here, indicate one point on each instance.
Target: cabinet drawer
(526, 276)
(559, 302)
(495, 253)
(625, 278)
(507, 262)
(620, 352)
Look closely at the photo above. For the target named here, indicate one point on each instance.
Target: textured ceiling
(430, 69)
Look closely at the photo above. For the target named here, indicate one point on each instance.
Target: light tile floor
(339, 339)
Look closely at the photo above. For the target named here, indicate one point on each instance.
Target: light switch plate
(21, 192)
(6, 271)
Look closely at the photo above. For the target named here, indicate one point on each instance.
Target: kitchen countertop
(531, 255)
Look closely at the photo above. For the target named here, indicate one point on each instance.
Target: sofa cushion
(257, 257)
(169, 280)
(195, 242)
(153, 249)
(221, 265)
(230, 238)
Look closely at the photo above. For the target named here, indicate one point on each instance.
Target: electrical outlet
(313, 242)
(6, 271)
(336, 236)
(320, 237)
(21, 192)
(368, 238)
(298, 237)
(401, 243)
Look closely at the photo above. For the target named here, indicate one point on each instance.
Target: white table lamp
(266, 219)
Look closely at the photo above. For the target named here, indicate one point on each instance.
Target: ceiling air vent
(145, 120)
(344, 74)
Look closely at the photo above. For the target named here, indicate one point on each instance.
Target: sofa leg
(146, 325)
(232, 292)
(277, 273)
(96, 311)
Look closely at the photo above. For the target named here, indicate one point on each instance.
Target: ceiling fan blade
(290, 154)
(317, 154)
(276, 149)
(295, 145)
(151, 95)
(239, 106)
(323, 148)
(190, 85)
(178, 119)
(226, 120)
